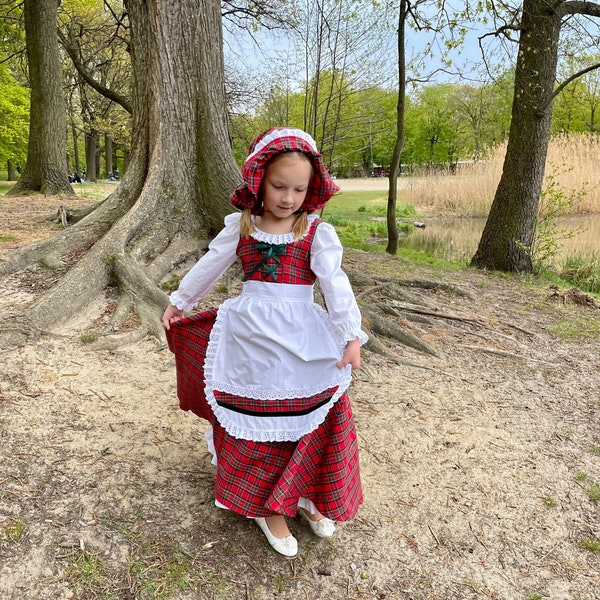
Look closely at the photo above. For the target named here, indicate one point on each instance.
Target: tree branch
(581, 7)
(567, 81)
(87, 77)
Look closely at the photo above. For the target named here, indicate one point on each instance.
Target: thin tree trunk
(75, 136)
(91, 143)
(392, 225)
(108, 156)
(10, 167)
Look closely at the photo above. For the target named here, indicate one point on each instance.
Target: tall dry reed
(573, 161)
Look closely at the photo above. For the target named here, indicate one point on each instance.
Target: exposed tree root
(391, 330)
(134, 254)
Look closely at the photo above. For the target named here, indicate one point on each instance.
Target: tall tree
(392, 225)
(46, 169)
(510, 228)
(174, 195)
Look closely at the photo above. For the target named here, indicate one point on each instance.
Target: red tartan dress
(281, 438)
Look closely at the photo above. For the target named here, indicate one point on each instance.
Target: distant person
(269, 369)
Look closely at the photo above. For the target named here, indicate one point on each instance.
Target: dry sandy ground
(481, 476)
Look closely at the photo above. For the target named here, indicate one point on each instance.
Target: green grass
(360, 221)
(13, 532)
(161, 573)
(86, 571)
(549, 502)
(95, 191)
(583, 271)
(89, 338)
(5, 186)
(575, 327)
(367, 204)
(592, 544)
(594, 493)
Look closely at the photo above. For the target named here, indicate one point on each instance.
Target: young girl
(269, 369)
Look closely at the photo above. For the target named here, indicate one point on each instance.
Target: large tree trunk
(175, 193)
(45, 170)
(510, 228)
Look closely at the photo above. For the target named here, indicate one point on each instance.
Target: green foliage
(592, 544)
(583, 271)
(555, 202)
(14, 530)
(14, 118)
(594, 493)
(575, 108)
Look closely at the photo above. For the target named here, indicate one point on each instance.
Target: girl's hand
(351, 355)
(171, 315)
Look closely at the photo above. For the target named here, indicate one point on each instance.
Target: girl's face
(285, 184)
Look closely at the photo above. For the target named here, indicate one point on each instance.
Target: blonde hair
(247, 227)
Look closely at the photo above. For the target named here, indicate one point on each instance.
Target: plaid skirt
(257, 479)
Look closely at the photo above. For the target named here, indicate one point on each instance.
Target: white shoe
(324, 527)
(288, 546)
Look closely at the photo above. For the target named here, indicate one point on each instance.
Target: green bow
(273, 251)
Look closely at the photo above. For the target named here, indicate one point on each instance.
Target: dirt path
(481, 478)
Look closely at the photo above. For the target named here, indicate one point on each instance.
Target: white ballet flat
(324, 527)
(288, 546)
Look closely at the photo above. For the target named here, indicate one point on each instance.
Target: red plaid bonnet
(266, 146)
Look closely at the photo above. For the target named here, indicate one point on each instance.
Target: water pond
(457, 238)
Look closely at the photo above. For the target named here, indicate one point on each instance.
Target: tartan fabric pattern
(261, 478)
(293, 266)
(188, 340)
(321, 188)
(284, 405)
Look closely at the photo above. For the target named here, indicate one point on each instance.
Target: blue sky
(272, 52)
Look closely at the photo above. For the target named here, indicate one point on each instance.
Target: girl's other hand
(351, 355)
(171, 315)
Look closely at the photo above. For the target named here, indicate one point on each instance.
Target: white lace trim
(270, 429)
(279, 238)
(279, 133)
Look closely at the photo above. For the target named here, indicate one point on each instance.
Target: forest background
(285, 68)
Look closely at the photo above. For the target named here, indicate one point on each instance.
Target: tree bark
(10, 168)
(108, 156)
(510, 228)
(91, 167)
(75, 149)
(392, 225)
(175, 192)
(45, 170)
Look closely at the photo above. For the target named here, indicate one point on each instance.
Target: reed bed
(573, 162)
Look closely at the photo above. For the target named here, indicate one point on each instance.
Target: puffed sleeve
(326, 263)
(202, 277)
